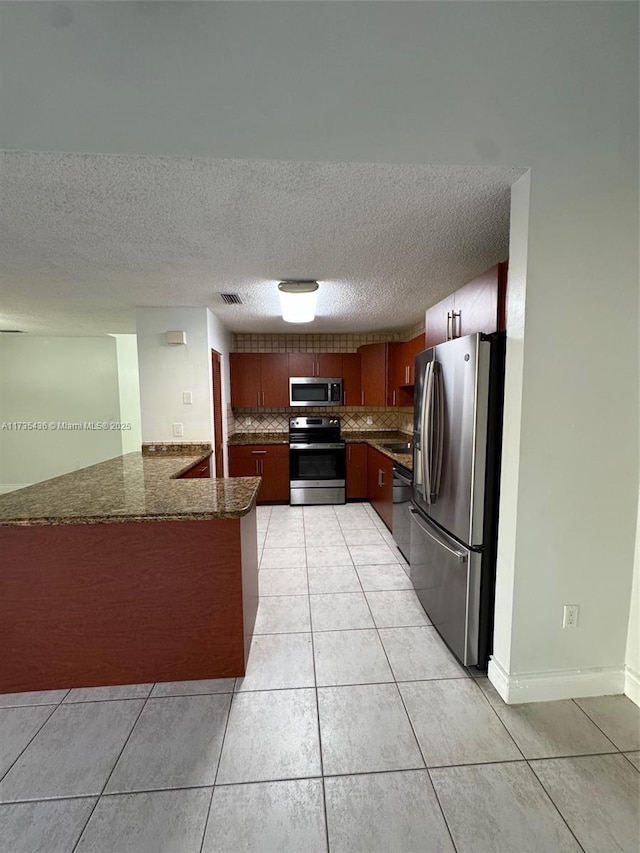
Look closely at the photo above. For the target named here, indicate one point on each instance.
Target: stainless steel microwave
(315, 391)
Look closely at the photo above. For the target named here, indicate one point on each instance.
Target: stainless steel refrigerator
(456, 473)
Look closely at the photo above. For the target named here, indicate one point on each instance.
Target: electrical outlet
(247, 421)
(369, 421)
(570, 616)
(178, 430)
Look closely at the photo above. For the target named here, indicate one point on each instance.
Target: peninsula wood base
(87, 605)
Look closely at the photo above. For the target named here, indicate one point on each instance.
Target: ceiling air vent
(231, 298)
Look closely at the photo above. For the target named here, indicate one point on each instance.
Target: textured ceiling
(86, 238)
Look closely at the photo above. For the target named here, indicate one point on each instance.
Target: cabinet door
(351, 381)
(275, 379)
(329, 364)
(477, 304)
(275, 476)
(242, 464)
(438, 322)
(394, 361)
(357, 471)
(373, 369)
(246, 383)
(301, 363)
(411, 350)
(380, 483)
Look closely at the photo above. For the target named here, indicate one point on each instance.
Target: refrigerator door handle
(438, 393)
(461, 556)
(425, 430)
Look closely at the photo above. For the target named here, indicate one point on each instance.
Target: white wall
(632, 674)
(220, 340)
(129, 391)
(50, 380)
(166, 371)
(550, 86)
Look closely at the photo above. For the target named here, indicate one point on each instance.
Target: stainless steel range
(316, 461)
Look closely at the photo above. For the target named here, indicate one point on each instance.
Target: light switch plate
(187, 397)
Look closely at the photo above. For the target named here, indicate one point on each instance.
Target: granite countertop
(134, 487)
(242, 439)
(378, 439)
(373, 438)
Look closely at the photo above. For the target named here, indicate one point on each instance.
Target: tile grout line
(215, 778)
(433, 788)
(315, 682)
(31, 740)
(553, 803)
(589, 717)
(628, 759)
(502, 722)
(110, 774)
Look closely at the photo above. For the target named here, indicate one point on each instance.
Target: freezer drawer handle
(462, 557)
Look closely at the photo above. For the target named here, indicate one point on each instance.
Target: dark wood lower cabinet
(269, 461)
(356, 471)
(380, 484)
(201, 469)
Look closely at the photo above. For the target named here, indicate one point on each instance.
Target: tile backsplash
(319, 343)
(351, 418)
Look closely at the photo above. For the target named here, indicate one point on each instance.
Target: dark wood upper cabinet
(402, 369)
(302, 363)
(259, 380)
(327, 364)
(246, 380)
(373, 370)
(479, 306)
(351, 379)
(275, 379)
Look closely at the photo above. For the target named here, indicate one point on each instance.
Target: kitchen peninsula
(127, 572)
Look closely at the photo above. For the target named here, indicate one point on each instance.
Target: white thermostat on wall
(176, 338)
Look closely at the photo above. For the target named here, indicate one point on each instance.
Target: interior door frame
(216, 398)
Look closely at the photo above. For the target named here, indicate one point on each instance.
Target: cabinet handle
(393, 397)
(453, 324)
(449, 335)
(380, 477)
(407, 374)
(349, 453)
(258, 452)
(362, 398)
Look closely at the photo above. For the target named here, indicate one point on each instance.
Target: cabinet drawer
(250, 451)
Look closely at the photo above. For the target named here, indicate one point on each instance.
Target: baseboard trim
(561, 684)
(632, 684)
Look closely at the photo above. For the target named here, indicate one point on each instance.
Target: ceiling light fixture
(298, 300)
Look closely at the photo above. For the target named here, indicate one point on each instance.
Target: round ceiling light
(298, 300)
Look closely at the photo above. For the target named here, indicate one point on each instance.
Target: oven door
(317, 474)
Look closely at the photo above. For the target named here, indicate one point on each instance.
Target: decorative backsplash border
(351, 418)
(308, 343)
